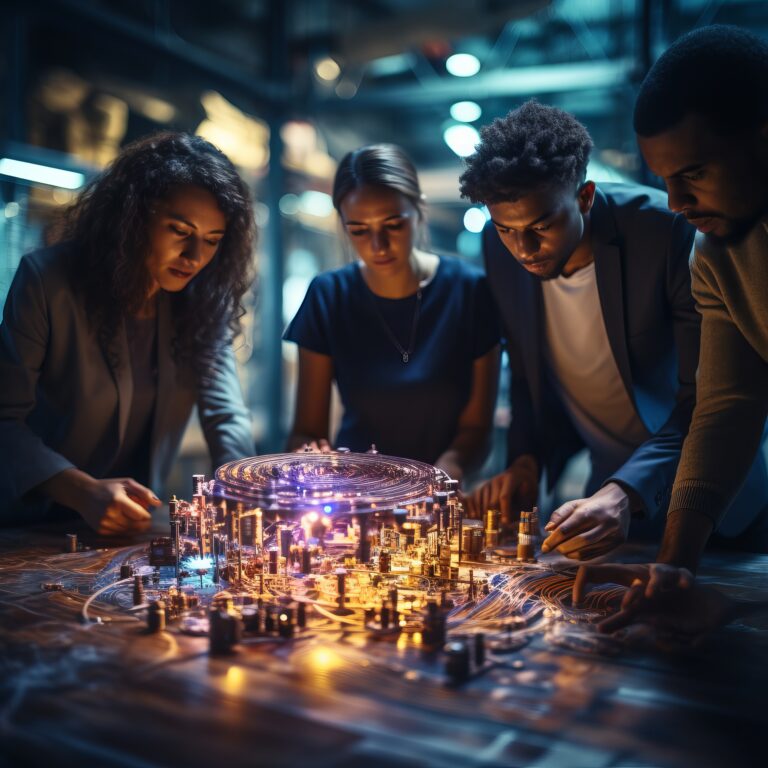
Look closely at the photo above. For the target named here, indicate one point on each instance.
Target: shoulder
(640, 216)
(334, 281)
(637, 197)
(456, 269)
(45, 268)
(706, 256)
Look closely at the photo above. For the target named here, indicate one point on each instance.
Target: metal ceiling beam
(521, 81)
(170, 45)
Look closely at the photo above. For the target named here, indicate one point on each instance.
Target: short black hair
(534, 145)
(718, 72)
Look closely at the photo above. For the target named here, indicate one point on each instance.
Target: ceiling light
(41, 174)
(327, 69)
(462, 65)
(466, 111)
(474, 219)
(461, 139)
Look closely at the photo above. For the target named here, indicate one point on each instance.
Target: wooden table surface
(109, 694)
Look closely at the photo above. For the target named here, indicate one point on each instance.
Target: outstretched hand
(510, 491)
(586, 528)
(662, 597)
(111, 507)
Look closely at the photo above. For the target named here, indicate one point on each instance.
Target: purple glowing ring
(335, 483)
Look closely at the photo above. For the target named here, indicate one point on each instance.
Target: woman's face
(382, 225)
(185, 229)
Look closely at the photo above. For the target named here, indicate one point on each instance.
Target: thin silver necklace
(405, 354)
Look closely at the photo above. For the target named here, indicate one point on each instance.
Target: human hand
(315, 446)
(111, 507)
(585, 528)
(660, 597)
(117, 506)
(512, 490)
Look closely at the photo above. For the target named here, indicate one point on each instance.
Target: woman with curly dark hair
(111, 337)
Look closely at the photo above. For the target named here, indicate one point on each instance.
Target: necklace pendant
(405, 357)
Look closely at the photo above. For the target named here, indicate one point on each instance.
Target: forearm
(68, 488)
(467, 452)
(685, 537)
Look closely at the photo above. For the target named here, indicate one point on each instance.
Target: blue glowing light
(199, 564)
(327, 509)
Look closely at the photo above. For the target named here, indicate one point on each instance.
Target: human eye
(180, 231)
(357, 232)
(694, 175)
(395, 225)
(542, 227)
(213, 243)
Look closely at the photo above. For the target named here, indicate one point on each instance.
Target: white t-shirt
(585, 371)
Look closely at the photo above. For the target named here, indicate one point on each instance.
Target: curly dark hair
(108, 230)
(534, 145)
(719, 72)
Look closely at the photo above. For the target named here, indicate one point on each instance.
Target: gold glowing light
(327, 69)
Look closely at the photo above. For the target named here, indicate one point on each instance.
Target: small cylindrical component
(385, 561)
(156, 616)
(479, 649)
(224, 632)
(385, 615)
(251, 619)
(524, 539)
(341, 587)
(306, 560)
(273, 558)
(286, 539)
(138, 590)
(126, 571)
(433, 634)
(492, 518)
(269, 618)
(70, 542)
(301, 615)
(457, 665)
(285, 625)
(198, 485)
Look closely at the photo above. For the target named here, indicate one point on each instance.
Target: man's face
(543, 228)
(719, 183)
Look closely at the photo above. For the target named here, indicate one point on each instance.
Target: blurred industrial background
(286, 87)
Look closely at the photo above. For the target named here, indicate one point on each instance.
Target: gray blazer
(63, 405)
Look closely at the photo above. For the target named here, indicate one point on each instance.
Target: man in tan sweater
(702, 124)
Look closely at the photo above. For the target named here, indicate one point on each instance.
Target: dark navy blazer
(641, 252)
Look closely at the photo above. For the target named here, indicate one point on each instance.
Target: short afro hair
(718, 72)
(533, 146)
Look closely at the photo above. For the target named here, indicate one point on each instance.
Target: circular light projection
(336, 483)
(462, 65)
(474, 219)
(466, 111)
(327, 69)
(461, 139)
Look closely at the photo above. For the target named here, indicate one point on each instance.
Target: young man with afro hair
(593, 287)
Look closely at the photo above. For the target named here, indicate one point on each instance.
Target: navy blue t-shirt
(407, 409)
